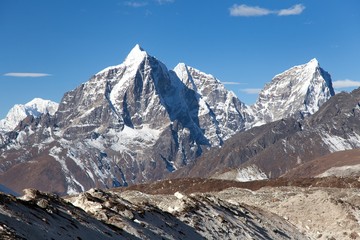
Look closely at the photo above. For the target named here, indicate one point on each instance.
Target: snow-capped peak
(180, 69)
(38, 106)
(299, 91)
(135, 57)
(184, 71)
(35, 108)
(311, 66)
(313, 62)
(136, 54)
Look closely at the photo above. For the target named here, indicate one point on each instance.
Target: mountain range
(275, 149)
(139, 121)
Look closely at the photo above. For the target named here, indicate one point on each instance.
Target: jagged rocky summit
(143, 94)
(137, 122)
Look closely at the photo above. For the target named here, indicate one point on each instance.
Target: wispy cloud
(251, 90)
(256, 11)
(248, 11)
(294, 10)
(139, 4)
(135, 4)
(232, 83)
(347, 83)
(164, 1)
(26, 74)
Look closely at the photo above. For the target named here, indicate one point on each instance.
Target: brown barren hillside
(322, 164)
(193, 185)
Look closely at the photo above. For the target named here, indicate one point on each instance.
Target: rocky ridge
(287, 210)
(39, 215)
(276, 148)
(135, 215)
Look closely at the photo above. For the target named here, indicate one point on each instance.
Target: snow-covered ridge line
(136, 55)
(35, 108)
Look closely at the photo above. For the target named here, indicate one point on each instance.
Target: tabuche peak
(313, 63)
(136, 53)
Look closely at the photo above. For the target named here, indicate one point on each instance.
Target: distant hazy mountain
(19, 112)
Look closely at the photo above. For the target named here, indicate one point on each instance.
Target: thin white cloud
(135, 4)
(164, 1)
(256, 11)
(248, 11)
(251, 90)
(294, 10)
(232, 83)
(347, 83)
(26, 74)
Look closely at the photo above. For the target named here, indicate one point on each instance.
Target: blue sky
(50, 47)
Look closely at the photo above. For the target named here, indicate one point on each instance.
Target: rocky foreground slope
(204, 209)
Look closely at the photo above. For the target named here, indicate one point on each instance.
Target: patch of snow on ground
(178, 195)
(96, 143)
(81, 164)
(336, 143)
(140, 137)
(250, 173)
(354, 139)
(71, 181)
